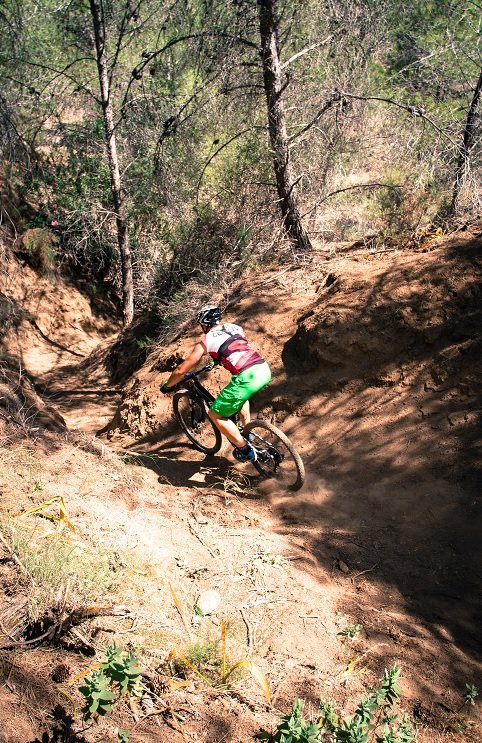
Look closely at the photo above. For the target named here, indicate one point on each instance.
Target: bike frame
(203, 393)
(192, 377)
(269, 456)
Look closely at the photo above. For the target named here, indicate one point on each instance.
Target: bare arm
(189, 362)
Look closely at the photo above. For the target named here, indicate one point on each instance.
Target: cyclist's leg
(234, 398)
(228, 428)
(245, 414)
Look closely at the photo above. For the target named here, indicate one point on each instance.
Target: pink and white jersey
(228, 345)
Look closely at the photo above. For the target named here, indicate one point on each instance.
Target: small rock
(208, 601)
(343, 566)
(198, 477)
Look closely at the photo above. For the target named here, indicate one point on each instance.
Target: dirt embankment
(48, 328)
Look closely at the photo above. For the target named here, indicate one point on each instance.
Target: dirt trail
(60, 340)
(377, 378)
(82, 393)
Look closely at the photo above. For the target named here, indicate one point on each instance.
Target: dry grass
(49, 560)
(19, 470)
(235, 484)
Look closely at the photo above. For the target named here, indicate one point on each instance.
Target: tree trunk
(467, 142)
(116, 186)
(273, 86)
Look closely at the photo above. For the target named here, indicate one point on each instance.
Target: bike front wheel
(277, 457)
(192, 416)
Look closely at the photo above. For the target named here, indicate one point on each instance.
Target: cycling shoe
(245, 456)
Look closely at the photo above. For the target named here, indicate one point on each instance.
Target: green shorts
(241, 387)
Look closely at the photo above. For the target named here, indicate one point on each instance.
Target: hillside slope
(377, 377)
(377, 366)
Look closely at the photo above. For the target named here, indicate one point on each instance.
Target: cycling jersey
(228, 345)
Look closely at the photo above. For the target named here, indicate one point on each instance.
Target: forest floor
(377, 377)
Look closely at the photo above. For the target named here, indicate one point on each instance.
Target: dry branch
(60, 623)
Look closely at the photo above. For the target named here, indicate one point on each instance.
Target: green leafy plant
(293, 728)
(122, 670)
(99, 699)
(118, 675)
(374, 720)
(471, 694)
(351, 632)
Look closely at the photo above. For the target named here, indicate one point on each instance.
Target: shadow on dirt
(182, 465)
(394, 487)
(381, 392)
(62, 730)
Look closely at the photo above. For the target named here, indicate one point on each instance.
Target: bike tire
(291, 471)
(191, 414)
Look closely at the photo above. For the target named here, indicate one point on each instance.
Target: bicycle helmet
(209, 315)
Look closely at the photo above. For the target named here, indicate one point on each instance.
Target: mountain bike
(276, 456)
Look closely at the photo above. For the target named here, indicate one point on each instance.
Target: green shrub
(374, 720)
(40, 245)
(119, 675)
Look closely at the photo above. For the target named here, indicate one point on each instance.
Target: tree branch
(210, 159)
(148, 57)
(405, 107)
(128, 12)
(305, 51)
(350, 188)
(335, 97)
(62, 73)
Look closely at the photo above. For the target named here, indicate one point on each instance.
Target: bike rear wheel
(277, 457)
(192, 416)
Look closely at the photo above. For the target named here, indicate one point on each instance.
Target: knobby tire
(293, 480)
(203, 434)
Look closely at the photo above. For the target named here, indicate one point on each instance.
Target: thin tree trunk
(467, 142)
(116, 186)
(273, 86)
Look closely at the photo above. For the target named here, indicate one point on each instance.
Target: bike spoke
(277, 458)
(195, 422)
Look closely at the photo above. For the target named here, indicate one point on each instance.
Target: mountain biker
(227, 345)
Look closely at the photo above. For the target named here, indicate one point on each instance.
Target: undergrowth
(48, 559)
(375, 720)
(119, 675)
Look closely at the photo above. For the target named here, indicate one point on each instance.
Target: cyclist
(227, 345)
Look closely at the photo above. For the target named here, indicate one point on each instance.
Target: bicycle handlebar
(195, 374)
(192, 375)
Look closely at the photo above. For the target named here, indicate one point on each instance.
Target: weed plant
(118, 676)
(48, 559)
(208, 660)
(374, 721)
